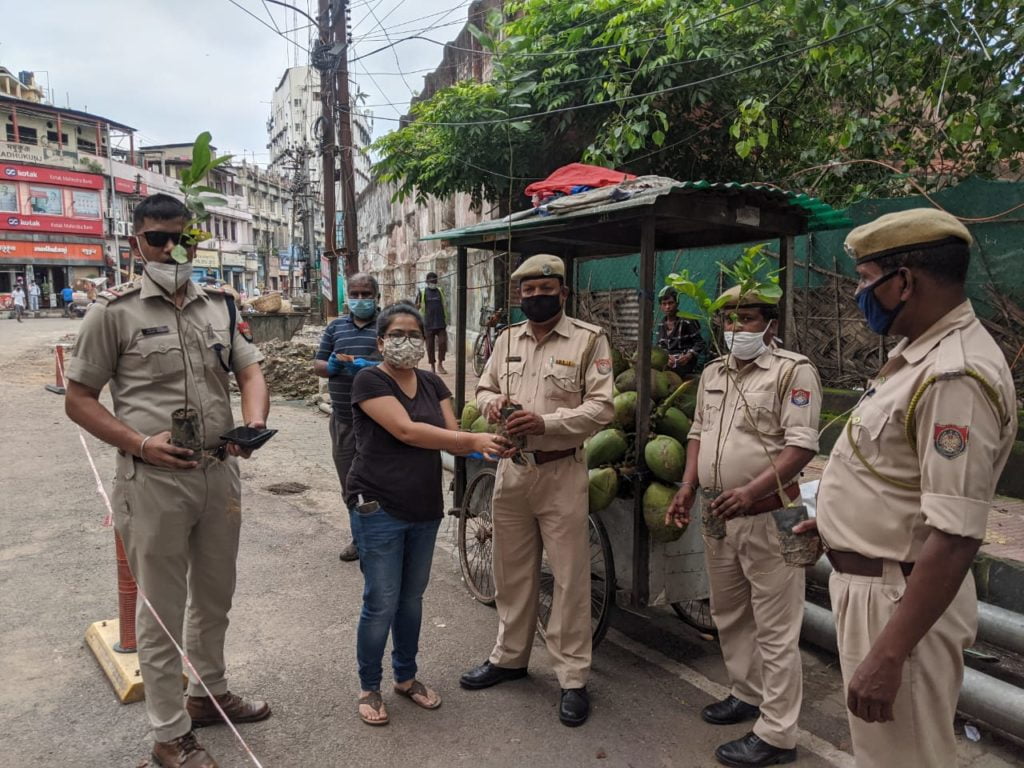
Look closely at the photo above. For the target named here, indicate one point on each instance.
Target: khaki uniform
(567, 378)
(756, 599)
(180, 527)
(945, 483)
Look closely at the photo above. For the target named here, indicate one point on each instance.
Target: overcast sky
(173, 68)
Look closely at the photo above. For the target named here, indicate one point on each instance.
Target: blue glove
(362, 362)
(334, 366)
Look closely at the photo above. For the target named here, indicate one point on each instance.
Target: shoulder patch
(800, 397)
(950, 440)
(603, 365)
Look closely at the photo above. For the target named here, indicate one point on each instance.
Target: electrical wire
(261, 21)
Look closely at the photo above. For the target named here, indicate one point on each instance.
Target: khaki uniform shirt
(962, 445)
(129, 339)
(566, 378)
(744, 416)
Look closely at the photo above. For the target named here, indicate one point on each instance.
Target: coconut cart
(629, 567)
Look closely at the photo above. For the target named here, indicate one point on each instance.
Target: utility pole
(330, 58)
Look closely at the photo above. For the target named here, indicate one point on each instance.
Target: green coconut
(661, 385)
(625, 410)
(619, 363)
(687, 402)
(659, 359)
(603, 487)
(674, 423)
(615, 392)
(674, 380)
(481, 425)
(626, 381)
(665, 457)
(606, 447)
(470, 413)
(657, 497)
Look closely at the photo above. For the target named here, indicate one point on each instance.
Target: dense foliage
(788, 91)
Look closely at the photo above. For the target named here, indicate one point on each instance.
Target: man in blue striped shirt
(352, 335)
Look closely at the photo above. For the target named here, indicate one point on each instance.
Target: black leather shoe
(488, 674)
(729, 711)
(349, 553)
(574, 709)
(751, 752)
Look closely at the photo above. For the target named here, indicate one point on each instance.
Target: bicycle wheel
(697, 613)
(602, 584)
(476, 537)
(481, 351)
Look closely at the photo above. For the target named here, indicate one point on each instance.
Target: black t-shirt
(405, 480)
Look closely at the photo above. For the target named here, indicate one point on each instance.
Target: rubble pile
(288, 369)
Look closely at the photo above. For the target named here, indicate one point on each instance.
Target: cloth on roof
(576, 175)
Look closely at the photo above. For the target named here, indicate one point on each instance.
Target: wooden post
(461, 274)
(787, 323)
(641, 539)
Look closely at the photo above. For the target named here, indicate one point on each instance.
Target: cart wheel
(476, 536)
(480, 352)
(602, 584)
(697, 613)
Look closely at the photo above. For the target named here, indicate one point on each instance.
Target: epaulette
(216, 289)
(790, 355)
(120, 291)
(950, 361)
(586, 326)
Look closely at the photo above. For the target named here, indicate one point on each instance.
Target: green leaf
(658, 138)
(201, 151)
(179, 254)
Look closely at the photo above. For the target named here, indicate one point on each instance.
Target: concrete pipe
(982, 697)
(998, 626)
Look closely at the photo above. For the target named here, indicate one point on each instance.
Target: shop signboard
(232, 259)
(21, 252)
(50, 200)
(206, 259)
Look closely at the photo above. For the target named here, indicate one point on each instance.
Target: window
(26, 135)
(84, 145)
(51, 136)
(216, 227)
(234, 232)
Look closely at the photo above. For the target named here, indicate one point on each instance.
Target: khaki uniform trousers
(537, 506)
(757, 602)
(180, 531)
(921, 732)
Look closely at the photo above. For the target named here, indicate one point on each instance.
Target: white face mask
(745, 345)
(170, 276)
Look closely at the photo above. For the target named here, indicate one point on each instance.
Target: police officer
(904, 499)
(755, 427)
(178, 512)
(559, 370)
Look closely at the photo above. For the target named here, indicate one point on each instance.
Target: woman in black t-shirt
(402, 418)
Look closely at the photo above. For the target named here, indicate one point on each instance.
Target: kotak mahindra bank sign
(47, 200)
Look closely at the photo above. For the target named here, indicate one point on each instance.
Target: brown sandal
(376, 703)
(418, 689)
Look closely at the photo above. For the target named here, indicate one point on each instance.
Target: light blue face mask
(362, 308)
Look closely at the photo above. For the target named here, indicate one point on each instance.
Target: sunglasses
(401, 335)
(160, 239)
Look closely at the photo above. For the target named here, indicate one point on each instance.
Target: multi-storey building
(270, 200)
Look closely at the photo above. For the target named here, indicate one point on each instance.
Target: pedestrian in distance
(178, 512)
(403, 418)
(903, 502)
(433, 306)
(67, 297)
(33, 296)
(755, 428)
(18, 295)
(557, 372)
(346, 339)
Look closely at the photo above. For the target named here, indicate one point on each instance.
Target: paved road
(293, 625)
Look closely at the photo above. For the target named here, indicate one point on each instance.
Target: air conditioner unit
(123, 228)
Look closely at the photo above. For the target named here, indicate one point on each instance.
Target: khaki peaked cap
(904, 231)
(749, 299)
(541, 265)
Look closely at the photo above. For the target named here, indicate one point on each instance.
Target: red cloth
(577, 174)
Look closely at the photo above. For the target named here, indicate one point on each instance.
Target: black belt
(855, 564)
(543, 457)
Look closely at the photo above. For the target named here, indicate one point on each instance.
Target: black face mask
(542, 308)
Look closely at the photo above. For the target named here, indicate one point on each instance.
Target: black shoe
(751, 752)
(574, 709)
(349, 553)
(488, 674)
(729, 711)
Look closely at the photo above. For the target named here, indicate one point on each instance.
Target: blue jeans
(395, 558)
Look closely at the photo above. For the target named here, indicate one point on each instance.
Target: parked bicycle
(492, 323)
